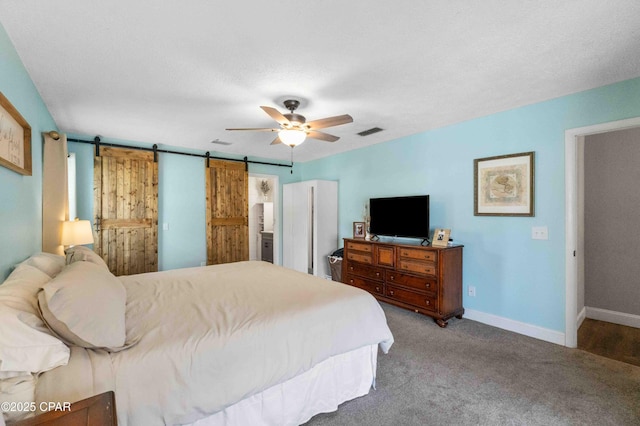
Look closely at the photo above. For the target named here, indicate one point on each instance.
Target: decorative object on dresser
(427, 280)
(441, 237)
(504, 185)
(309, 225)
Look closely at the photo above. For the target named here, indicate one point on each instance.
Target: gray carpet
(475, 374)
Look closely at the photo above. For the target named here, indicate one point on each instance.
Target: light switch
(539, 233)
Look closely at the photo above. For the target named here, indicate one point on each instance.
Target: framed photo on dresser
(358, 229)
(441, 237)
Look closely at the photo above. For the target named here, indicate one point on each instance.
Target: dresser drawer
(385, 256)
(370, 286)
(417, 267)
(366, 247)
(418, 283)
(418, 254)
(360, 257)
(365, 271)
(425, 301)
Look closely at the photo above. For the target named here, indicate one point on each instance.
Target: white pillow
(85, 305)
(49, 263)
(26, 345)
(20, 289)
(20, 389)
(82, 253)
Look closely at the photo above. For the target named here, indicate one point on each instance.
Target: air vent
(219, 142)
(370, 131)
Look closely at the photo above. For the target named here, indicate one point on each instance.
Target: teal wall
(515, 277)
(21, 196)
(181, 198)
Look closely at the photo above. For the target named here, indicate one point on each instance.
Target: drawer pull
(426, 301)
(378, 289)
(377, 274)
(390, 292)
(351, 281)
(392, 277)
(428, 285)
(351, 268)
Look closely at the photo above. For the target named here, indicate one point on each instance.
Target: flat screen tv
(400, 216)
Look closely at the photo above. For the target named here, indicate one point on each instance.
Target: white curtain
(55, 204)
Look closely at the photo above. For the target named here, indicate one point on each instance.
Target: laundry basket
(335, 264)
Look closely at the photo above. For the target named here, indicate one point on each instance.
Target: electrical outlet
(165, 226)
(203, 263)
(539, 233)
(472, 291)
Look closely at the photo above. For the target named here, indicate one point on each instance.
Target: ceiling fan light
(292, 137)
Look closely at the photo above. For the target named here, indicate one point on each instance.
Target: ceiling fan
(294, 128)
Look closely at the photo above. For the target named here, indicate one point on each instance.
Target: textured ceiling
(179, 73)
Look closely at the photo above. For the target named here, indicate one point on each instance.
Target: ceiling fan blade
(275, 114)
(257, 129)
(330, 121)
(276, 141)
(313, 134)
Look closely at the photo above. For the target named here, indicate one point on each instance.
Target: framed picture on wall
(15, 139)
(358, 229)
(504, 185)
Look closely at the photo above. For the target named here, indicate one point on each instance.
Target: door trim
(571, 137)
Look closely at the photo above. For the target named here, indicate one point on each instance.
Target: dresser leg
(459, 316)
(441, 323)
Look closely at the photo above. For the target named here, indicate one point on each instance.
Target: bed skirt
(320, 390)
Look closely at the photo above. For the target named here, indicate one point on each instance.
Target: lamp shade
(292, 137)
(76, 232)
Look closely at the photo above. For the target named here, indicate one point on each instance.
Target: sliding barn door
(126, 210)
(227, 186)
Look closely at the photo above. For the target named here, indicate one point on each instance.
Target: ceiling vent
(370, 131)
(219, 142)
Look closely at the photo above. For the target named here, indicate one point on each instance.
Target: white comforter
(209, 337)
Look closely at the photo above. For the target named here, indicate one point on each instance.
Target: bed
(240, 343)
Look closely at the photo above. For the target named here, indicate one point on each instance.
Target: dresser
(427, 280)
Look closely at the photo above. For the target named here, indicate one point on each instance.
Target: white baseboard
(581, 316)
(621, 318)
(516, 326)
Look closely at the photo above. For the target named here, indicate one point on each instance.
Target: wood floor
(610, 340)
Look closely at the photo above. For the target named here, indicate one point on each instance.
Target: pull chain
(291, 159)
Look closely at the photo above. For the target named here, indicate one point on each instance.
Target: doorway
(264, 240)
(574, 206)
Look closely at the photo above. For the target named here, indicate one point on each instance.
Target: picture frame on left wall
(15, 139)
(358, 229)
